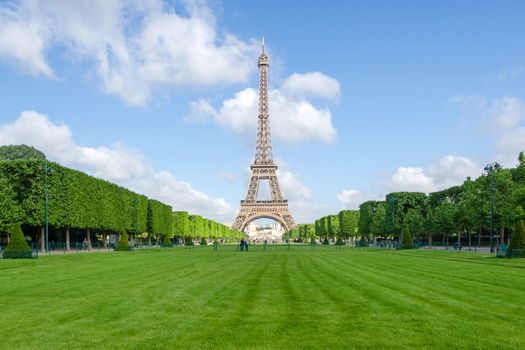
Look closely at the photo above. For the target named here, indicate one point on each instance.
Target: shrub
(363, 242)
(339, 241)
(188, 241)
(166, 241)
(203, 241)
(517, 242)
(408, 241)
(17, 248)
(325, 242)
(123, 243)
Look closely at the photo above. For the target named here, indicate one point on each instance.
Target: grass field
(273, 299)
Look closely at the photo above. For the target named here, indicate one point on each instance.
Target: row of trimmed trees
(192, 227)
(459, 214)
(82, 203)
(342, 226)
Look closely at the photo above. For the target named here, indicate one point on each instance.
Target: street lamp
(47, 170)
(136, 202)
(393, 201)
(490, 168)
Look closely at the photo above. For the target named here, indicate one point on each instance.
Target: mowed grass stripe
(263, 299)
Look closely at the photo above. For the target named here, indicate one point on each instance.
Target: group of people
(244, 244)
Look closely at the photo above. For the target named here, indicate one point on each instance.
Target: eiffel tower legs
(253, 209)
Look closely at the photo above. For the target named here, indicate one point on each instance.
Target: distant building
(270, 232)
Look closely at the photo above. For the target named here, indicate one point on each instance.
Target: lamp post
(47, 170)
(490, 168)
(136, 202)
(393, 201)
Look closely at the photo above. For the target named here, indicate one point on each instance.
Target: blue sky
(367, 97)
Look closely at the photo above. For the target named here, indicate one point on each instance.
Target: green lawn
(273, 299)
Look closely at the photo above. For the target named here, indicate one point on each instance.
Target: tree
(14, 152)
(10, 210)
(123, 243)
(180, 224)
(378, 219)
(333, 226)
(407, 242)
(348, 223)
(517, 243)
(17, 248)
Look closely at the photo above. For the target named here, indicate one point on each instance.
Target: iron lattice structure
(263, 168)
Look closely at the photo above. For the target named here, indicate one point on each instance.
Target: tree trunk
(132, 239)
(68, 240)
(469, 241)
(42, 240)
(447, 241)
(502, 235)
(149, 240)
(479, 237)
(88, 237)
(104, 240)
(459, 239)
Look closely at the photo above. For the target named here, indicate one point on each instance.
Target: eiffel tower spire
(263, 167)
(263, 149)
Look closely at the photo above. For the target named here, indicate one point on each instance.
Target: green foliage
(14, 152)
(397, 206)
(166, 240)
(188, 241)
(372, 215)
(160, 218)
(333, 226)
(123, 243)
(203, 241)
(10, 210)
(180, 224)
(339, 241)
(348, 223)
(517, 243)
(408, 241)
(325, 241)
(17, 248)
(76, 200)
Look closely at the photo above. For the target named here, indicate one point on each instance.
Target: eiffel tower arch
(264, 168)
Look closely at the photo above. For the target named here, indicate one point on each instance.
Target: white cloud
(411, 179)
(509, 145)
(452, 170)
(352, 198)
(117, 163)
(136, 47)
(506, 113)
(292, 117)
(447, 171)
(315, 84)
(292, 187)
(502, 119)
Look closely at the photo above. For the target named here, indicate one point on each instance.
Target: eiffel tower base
(253, 210)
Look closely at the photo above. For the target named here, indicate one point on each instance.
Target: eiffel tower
(263, 168)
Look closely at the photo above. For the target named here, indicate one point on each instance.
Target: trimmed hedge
(123, 243)
(517, 242)
(17, 248)
(408, 241)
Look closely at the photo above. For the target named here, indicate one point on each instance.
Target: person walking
(242, 245)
